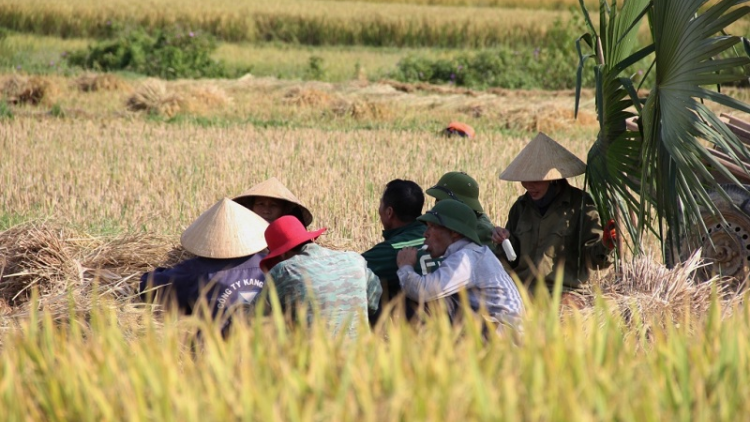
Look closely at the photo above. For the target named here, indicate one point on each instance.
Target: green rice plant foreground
(585, 367)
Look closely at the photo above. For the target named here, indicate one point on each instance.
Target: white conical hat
(226, 230)
(543, 159)
(273, 188)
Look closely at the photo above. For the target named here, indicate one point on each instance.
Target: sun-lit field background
(100, 173)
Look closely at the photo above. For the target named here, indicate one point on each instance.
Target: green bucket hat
(459, 186)
(453, 215)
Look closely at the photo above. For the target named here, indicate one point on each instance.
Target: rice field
(137, 171)
(519, 4)
(100, 173)
(94, 195)
(310, 22)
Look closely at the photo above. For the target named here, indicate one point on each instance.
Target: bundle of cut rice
(32, 90)
(152, 96)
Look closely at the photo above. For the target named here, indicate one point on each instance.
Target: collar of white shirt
(456, 246)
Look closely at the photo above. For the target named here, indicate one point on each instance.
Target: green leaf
(664, 169)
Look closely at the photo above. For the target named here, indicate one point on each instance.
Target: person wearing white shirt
(467, 265)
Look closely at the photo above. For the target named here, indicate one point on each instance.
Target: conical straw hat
(543, 159)
(273, 188)
(226, 230)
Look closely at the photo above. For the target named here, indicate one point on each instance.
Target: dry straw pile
(93, 82)
(33, 90)
(55, 259)
(307, 97)
(645, 293)
(362, 109)
(154, 96)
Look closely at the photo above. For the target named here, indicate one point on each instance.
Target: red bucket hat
(285, 234)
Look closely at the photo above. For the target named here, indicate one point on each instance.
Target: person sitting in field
(271, 199)
(459, 129)
(467, 266)
(400, 205)
(554, 227)
(337, 286)
(227, 241)
(462, 187)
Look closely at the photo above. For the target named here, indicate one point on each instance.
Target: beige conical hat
(543, 159)
(273, 188)
(226, 230)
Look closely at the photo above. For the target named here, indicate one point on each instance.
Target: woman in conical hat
(554, 227)
(271, 199)
(229, 244)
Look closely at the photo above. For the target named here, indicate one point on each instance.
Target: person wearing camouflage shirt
(554, 227)
(467, 265)
(336, 286)
(463, 188)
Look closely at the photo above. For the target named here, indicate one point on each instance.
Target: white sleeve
(453, 274)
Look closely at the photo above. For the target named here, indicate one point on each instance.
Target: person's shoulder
(253, 260)
(521, 202)
(410, 235)
(351, 256)
(314, 255)
(190, 270)
(284, 267)
(484, 221)
(378, 247)
(192, 265)
(577, 195)
(473, 249)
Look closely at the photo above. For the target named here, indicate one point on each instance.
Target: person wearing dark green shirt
(554, 227)
(462, 187)
(400, 205)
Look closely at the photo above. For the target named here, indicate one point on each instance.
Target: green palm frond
(686, 43)
(663, 167)
(616, 153)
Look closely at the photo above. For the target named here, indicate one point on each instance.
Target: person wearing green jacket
(400, 205)
(463, 188)
(554, 227)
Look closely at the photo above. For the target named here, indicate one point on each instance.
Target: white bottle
(509, 252)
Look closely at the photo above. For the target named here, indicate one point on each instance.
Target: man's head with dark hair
(401, 203)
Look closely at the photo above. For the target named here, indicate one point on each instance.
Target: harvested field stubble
(139, 174)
